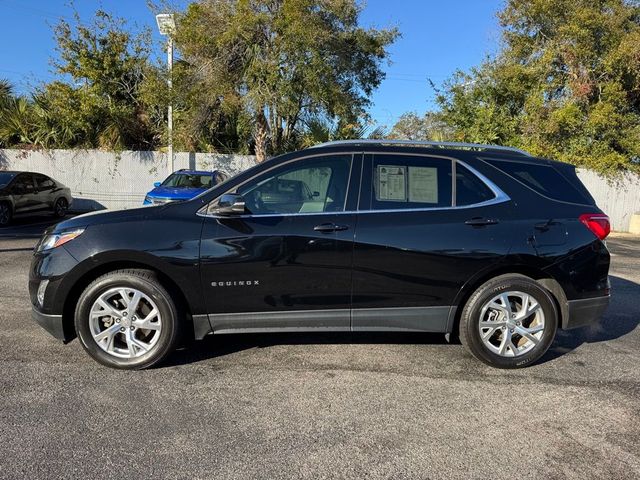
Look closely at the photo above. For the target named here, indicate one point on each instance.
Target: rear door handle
(481, 221)
(545, 226)
(330, 227)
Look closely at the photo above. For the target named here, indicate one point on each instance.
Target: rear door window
(24, 184)
(410, 182)
(543, 179)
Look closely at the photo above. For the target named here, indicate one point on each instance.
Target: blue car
(183, 185)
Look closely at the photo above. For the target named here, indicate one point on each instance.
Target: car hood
(175, 193)
(106, 216)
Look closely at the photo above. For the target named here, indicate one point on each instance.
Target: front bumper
(51, 323)
(585, 311)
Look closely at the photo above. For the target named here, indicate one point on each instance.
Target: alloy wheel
(125, 322)
(511, 323)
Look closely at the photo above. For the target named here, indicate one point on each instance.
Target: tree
(565, 85)
(17, 117)
(279, 61)
(97, 102)
(6, 92)
(16, 122)
(320, 130)
(430, 126)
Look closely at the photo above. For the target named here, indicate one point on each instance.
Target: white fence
(111, 180)
(120, 180)
(619, 199)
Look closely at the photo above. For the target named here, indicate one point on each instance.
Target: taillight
(598, 223)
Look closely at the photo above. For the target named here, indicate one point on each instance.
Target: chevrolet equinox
(486, 243)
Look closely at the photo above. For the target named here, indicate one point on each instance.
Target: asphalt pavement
(29, 226)
(322, 405)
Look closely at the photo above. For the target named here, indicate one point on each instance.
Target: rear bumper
(585, 311)
(51, 323)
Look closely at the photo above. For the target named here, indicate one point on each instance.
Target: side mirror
(157, 184)
(230, 204)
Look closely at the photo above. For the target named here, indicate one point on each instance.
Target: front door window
(314, 185)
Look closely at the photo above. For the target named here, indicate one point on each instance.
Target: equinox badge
(236, 283)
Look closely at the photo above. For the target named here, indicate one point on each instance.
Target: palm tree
(16, 125)
(320, 130)
(6, 92)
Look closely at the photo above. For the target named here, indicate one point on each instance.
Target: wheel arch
(535, 273)
(68, 309)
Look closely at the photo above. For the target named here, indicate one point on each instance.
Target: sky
(438, 37)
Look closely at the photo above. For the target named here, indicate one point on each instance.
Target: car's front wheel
(509, 322)
(127, 319)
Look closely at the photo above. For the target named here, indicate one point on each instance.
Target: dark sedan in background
(27, 192)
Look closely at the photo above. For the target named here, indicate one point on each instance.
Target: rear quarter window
(544, 179)
(470, 190)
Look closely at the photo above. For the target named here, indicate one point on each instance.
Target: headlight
(54, 240)
(147, 200)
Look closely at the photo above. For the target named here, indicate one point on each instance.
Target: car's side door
(426, 225)
(285, 263)
(23, 192)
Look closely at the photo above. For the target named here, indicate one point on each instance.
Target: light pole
(167, 26)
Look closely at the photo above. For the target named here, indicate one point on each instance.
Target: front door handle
(481, 221)
(330, 227)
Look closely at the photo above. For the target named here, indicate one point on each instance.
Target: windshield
(6, 177)
(188, 180)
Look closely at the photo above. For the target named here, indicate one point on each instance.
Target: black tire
(146, 282)
(60, 208)
(470, 321)
(6, 214)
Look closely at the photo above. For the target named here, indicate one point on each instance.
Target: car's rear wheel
(509, 322)
(127, 319)
(61, 207)
(5, 214)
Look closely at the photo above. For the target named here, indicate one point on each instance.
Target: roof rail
(421, 143)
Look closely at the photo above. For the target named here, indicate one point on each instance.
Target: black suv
(483, 242)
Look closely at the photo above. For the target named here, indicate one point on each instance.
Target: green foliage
(97, 101)
(250, 75)
(566, 84)
(107, 65)
(430, 126)
(16, 121)
(320, 130)
(279, 61)
(6, 92)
